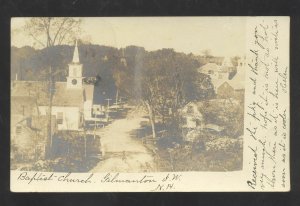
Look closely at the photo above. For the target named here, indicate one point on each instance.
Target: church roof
(67, 97)
(76, 55)
(39, 90)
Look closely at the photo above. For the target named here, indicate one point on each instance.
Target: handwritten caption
(267, 108)
(157, 183)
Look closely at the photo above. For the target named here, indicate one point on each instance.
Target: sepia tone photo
(127, 94)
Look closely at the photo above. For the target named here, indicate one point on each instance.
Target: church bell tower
(74, 78)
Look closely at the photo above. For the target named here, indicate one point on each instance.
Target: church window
(18, 129)
(59, 117)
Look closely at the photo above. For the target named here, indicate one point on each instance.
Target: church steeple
(227, 62)
(76, 55)
(74, 78)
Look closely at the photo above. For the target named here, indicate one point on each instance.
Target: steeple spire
(76, 54)
(227, 62)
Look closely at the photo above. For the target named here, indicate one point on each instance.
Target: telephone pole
(107, 112)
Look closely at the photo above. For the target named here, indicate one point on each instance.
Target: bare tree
(163, 81)
(166, 80)
(48, 32)
(51, 31)
(207, 53)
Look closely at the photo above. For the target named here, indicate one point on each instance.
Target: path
(121, 152)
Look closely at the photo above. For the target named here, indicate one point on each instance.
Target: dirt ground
(121, 151)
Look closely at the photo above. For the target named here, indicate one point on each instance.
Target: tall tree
(48, 32)
(51, 31)
(163, 80)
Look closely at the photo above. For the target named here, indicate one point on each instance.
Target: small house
(191, 116)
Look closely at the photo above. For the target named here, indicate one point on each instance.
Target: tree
(51, 31)
(207, 53)
(163, 81)
(48, 32)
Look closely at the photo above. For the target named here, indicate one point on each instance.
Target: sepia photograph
(127, 94)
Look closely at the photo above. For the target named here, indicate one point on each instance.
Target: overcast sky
(224, 36)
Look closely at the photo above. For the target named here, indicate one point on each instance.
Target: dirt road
(121, 152)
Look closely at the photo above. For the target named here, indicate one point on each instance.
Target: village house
(72, 101)
(228, 80)
(193, 122)
(28, 129)
(192, 117)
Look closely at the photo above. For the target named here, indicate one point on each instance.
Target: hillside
(31, 64)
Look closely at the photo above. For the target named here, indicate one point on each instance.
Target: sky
(223, 36)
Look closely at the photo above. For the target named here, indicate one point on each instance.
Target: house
(210, 69)
(72, 101)
(193, 122)
(218, 71)
(225, 90)
(228, 80)
(191, 116)
(28, 129)
(21, 132)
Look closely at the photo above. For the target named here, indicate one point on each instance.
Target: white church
(72, 102)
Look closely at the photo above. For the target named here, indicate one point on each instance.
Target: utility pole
(107, 114)
(50, 87)
(117, 96)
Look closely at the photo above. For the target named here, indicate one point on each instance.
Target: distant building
(123, 59)
(211, 69)
(224, 86)
(105, 58)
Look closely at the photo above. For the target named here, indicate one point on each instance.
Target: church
(72, 101)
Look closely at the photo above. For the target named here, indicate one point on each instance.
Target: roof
(62, 96)
(76, 55)
(196, 108)
(23, 105)
(67, 97)
(17, 119)
(218, 82)
(209, 66)
(237, 82)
